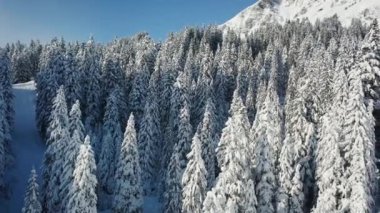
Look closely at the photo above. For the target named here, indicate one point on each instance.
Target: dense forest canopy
(209, 121)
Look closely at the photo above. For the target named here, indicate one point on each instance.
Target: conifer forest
(286, 119)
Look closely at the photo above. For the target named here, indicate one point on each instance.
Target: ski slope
(27, 146)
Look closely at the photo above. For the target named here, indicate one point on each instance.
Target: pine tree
(110, 145)
(73, 78)
(296, 175)
(234, 187)
(370, 61)
(128, 195)
(194, 179)
(139, 92)
(31, 202)
(150, 138)
(75, 120)
(329, 161)
(54, 157)
(184, 135)
(71, 151)
(266, 135)
(173, 185)
(3, 148)
(207, 136)
(88, 65)
(48, 82)
(82, 194)
(359, 159)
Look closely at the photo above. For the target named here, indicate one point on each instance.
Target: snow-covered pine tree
(150, 138)
(48, 82)
(204, 85)
(330, 178)
(31, 202)
(359, 159)
(329, 166)
(128, 193)
(110, 144)
(179, 98)
(21, 66)
(173, 186)
(71, 151)
(3, 148)
(82, 194)
(234, 185)
(111, 72)
(207, 136)
(139, 92)
(88, 64)
(266, 136)
(73, 78)
(370, 61)
(184, 135)
(59, 138)
(75, 120)
(296, 157)
(7, 96)
(194, 179)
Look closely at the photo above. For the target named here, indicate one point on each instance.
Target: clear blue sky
(107, 19)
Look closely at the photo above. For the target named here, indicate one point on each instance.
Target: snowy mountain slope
(264, 11)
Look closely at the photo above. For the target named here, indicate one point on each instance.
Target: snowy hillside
(266, 11)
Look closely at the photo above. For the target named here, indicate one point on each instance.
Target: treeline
(277, 121)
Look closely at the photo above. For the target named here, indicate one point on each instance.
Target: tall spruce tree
(82, 194)
(234, 187)
(128, 195)
(31, 202)
(194, 179)
(54, 158)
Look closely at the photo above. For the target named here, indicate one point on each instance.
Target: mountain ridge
(268, 11)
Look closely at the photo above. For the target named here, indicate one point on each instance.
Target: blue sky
(107, 19)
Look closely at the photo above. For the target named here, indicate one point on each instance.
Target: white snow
(264, 11)
(26, 146)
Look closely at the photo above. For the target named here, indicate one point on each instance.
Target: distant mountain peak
(267, 11)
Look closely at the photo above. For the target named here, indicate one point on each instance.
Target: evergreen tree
(75, 120)
(73, 87)
(234, 187)
(370, 61)
(184, 135)
(207, 136)
(173, 185)
(31, 202)
(149, 137)
(110, 145)
(266, 135)
(194, 179)
(358, 131)
(54, 158)
(296, 175)
(88, 65)
(139, 92)
(48, 82)
(128, 189)
(82, 195)
(3, 148)
(329, 161)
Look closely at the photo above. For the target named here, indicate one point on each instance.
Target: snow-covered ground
(26, 146)
(266, 11)
(29, 150)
